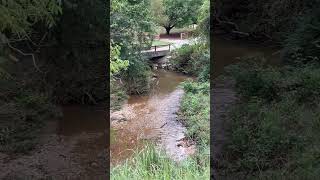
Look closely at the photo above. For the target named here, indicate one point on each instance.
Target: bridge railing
(155, 47)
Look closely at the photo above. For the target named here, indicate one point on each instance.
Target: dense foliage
(303, 44)
(193, 60)
(269, 18)
(131, 31)
(44, 61)
(274, 127)
(18, 17)
(275, 124)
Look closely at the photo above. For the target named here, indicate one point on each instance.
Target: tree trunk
(168, 30)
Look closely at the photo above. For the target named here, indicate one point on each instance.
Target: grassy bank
(275, 126)
(150, 163)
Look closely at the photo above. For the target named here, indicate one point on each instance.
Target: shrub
(117, 94)
(137, 77)
(252, 79)
(193, 60)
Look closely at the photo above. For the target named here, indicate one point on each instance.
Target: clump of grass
(151, 163)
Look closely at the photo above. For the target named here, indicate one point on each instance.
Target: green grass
(151, 164)
(160, 43)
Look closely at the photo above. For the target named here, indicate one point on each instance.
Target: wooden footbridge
(157, 51)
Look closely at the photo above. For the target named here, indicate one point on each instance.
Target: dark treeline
(274, 126)
(264, 19)
(51, 53)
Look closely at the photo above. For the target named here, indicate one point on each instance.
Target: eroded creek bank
(151, 117)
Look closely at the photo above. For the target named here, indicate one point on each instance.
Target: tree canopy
(176, 13)
(132, 28)
(18, 16)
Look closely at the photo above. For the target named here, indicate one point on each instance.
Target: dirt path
(59, 157)
(223, 97)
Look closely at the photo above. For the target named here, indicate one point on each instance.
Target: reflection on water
(88, 126)
(82, 119)
(227, 52)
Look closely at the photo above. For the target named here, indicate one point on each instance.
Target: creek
(151, 117)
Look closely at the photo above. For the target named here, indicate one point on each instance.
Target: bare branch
(26, 54)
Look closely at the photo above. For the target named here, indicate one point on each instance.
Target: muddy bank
(151, 117)
(60, 154)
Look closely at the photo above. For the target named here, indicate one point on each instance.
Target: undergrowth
(195, 111)
(274, 127)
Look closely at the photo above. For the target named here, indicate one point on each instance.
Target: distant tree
(158, 14)
(195, 9)
(204, 19)
(132, 28)
(176, 13)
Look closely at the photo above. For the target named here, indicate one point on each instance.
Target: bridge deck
(157, 51)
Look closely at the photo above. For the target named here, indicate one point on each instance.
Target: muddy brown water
(151, 117)
(90, 123)
(82, 119)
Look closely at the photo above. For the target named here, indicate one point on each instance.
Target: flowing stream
(151, 117)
